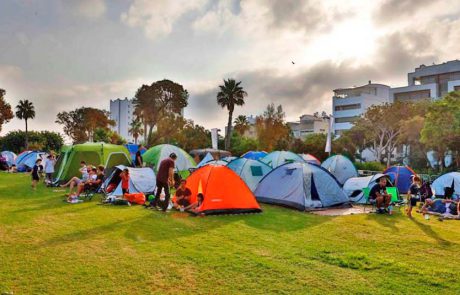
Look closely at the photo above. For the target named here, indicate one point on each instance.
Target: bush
(41, 140)
(372, 166)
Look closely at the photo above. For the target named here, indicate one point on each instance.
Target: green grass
(49, 246)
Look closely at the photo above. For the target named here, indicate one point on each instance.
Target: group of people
(91, 179)
(418, 192)
(38, 169)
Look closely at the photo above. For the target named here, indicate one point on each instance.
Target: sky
(64, 54)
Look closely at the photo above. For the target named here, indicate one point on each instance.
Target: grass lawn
(49, 246)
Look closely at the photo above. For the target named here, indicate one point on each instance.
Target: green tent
(158, 153)
(93, 153)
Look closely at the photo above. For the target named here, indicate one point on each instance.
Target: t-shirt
(163, 171)
(438, 206)
(414, 189)
(49, 166)
(183, 192)
(124, 181)
(377, 189)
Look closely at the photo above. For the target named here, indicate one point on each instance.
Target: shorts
(414, 200)
(35, 177)
(183, 202)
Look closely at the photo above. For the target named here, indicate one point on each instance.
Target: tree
(315, 143)
(441, 128)
(81, 123)
(6, 114)
(272, 131)
(241, 144)
(231, 94)
(108, 136)
(136, 129)
(153, 102)
(25, 110)
(241, 124)
(47, 141)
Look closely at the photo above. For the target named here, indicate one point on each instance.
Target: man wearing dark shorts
(165, 179)
(379, 195)
(183, 194)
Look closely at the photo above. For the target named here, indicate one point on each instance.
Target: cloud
(157, 18)
(91, 9)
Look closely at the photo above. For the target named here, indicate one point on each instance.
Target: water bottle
(390, 210)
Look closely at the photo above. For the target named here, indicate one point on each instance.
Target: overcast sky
(63, 54)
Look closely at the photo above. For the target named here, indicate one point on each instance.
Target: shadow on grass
(385, 220)
(431, 233)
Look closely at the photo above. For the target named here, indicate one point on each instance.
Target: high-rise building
(121, 111)
(348, 104)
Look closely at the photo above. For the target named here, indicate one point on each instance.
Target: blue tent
(205, 160)
(254, 155)
(251, 171)
(278, 158)
(341, 167)
(401, 177)
(26, 160)
(229, 159)
(132, 149)
(302, 186)
(9, 156)
(451, 180)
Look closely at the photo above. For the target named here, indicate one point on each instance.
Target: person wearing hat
(379, 195)
(165, 179)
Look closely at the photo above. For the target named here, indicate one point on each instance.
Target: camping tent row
(109, 155)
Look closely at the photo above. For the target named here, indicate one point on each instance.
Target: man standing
(165, 179)
(138, 161)
(379, 195)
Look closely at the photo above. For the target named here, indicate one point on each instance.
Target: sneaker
(380, 211)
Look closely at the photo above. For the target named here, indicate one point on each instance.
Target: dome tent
(254, 155)
(310, 159)
(278, 158)
(302, 186)
(93, 153)
(9, 156)
(205, 160)
(401, 177)
(354, 186)
(141, 180)
(251, 171)
(341, 167)
(451, 179)
(224, 192)
(26, 160)
(156, 154)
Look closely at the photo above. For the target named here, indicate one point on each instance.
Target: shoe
(379, 211)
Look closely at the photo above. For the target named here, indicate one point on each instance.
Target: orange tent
(224, 191)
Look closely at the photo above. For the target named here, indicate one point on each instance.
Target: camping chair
(366, 192)
(393, 192)
(90, 191)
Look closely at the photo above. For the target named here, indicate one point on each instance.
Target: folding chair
(366, 192)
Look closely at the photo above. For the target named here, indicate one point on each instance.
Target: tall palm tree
(241, 124)
(231, 94)
(136, 129)
(25, 110)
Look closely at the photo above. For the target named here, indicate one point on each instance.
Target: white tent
(140, 180)
(354, 186)
(451, 179)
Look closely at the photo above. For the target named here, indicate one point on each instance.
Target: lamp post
(330, 121)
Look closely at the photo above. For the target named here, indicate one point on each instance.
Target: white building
(121, 111)
(308, 124)
(348, 104)
(429, 82)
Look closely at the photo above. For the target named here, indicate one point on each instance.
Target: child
(34, 173)
(125, 181)
(49, 169)
(195, 207)
(414, 194)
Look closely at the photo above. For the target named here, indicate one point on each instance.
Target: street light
(330, 121)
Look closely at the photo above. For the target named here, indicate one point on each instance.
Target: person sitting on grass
(378, 194)
(195, 207)
(75, 181)
(124, 175)
(436, 206)
(35, 173)
(182, 197)
(414, 194)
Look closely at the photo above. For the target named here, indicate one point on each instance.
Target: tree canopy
(6, 114)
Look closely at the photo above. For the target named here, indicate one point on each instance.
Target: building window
(346, 119)
(347, 107)
(457, 88)
(412, 95)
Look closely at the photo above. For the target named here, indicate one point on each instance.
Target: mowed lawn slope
(49, 246)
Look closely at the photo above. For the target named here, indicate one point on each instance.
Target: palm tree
(25, 110)
(136, 129)
(241, 124)
(231, 94)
